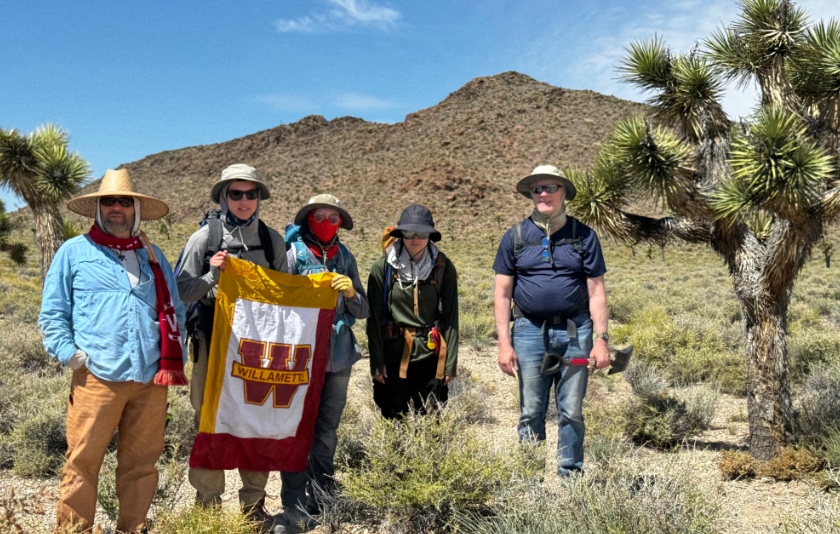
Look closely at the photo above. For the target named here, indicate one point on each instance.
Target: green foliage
(420, 470)
(71, 229)
(663, 418)
(204, 520)
(818, 406)
(623, 498)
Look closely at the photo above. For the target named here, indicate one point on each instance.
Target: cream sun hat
(118, 183)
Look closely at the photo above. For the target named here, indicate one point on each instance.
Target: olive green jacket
(401, 305)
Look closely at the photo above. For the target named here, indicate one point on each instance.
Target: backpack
(199, 316)
(519, 243)
(391, 276)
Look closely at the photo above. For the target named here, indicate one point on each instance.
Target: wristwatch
(605, 336)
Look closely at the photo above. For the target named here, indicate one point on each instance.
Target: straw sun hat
(118, 184)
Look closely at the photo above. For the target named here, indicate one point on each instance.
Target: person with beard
(413, 326)
(550, 266)
(239, 193)
(110, 312)
(318, 249)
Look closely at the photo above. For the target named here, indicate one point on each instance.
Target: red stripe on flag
(226, 451)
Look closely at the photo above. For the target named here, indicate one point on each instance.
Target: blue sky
(129, 79)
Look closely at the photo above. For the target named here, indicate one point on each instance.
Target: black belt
(554, 320)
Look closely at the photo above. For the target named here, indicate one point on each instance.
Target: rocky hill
(461, 157)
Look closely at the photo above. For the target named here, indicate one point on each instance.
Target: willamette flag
(269, 350)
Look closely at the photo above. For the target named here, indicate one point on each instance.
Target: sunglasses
(319, 218)
(236, 194)
(412, 235)
(546, 251)
(126, 202)
(550, 188)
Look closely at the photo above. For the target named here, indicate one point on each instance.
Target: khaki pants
(210, 483)
(96, 409)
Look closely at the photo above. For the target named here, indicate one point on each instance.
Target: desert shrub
(106, 491)
(359, 415)
(666, 419)
(791, 464)
(663, 498)
(734, 465)
(645, 379)
(822, 515)
(70, 229)
(811, 347)
(21, 348)
(469, 398)
(831, 448)
(204, 520)
(476, 329)
(38, 444)
(17, 253)
(419, 470)
(818, 406)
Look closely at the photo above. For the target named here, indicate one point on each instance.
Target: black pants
(420, 385)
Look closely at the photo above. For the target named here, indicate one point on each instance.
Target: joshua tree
(758, 192)
(40, 168)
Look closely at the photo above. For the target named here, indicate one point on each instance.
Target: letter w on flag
(269, 350)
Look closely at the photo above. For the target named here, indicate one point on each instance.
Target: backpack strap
(265, 242)
(519, 243)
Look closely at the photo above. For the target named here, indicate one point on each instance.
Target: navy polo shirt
(544, 290)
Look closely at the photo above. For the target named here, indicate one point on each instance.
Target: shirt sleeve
(504, 263)
(449, 313)
(192, 284)
(357, 306)
(593, 258)
(55, 318)
(375, 293)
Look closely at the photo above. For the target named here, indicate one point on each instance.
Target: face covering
(324, 230)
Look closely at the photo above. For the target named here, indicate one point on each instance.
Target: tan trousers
(96, 409)
(210, 483)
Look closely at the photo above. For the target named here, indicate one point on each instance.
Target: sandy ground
(752, 506)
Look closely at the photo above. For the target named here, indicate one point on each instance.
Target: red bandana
(171, 372)
(325, 232)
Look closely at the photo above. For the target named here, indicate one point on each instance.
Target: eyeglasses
(550, 188)
(412, 235)
(236, 194)
(334, 218)
(546, 251)
(125, 202)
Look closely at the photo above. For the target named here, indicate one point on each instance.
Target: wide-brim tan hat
(324, 200)
(117, 183)
(546, 171)
(238, 171)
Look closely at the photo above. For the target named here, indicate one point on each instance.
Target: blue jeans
(297, 487)
(569, 384)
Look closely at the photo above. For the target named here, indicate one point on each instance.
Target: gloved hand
(344, 285)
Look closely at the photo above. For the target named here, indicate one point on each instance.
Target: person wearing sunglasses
(110, 312)
(413, 325)
(550, 281)
(236, 230)
(315, 247)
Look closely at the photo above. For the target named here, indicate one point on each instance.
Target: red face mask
(323, 230)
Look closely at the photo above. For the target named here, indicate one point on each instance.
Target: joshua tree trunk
(768, 398)
(49, 233)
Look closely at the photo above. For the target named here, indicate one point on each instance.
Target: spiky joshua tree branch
(759, 193)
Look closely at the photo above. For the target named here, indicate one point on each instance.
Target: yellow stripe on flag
(245, 280)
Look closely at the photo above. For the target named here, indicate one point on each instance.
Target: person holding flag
(314, 247)
(111, 312)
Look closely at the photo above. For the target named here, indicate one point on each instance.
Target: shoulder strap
(214, 242)
(518, 244)
(265, 242)
(440, 267)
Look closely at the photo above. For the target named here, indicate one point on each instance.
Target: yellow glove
(345, 285)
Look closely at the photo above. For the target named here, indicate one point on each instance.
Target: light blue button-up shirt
(88, 303)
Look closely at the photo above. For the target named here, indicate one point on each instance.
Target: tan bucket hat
(324, 200)
(546, 171)
(118, 183)
(239, 171)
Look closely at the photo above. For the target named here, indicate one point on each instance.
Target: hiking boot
(256, 513)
